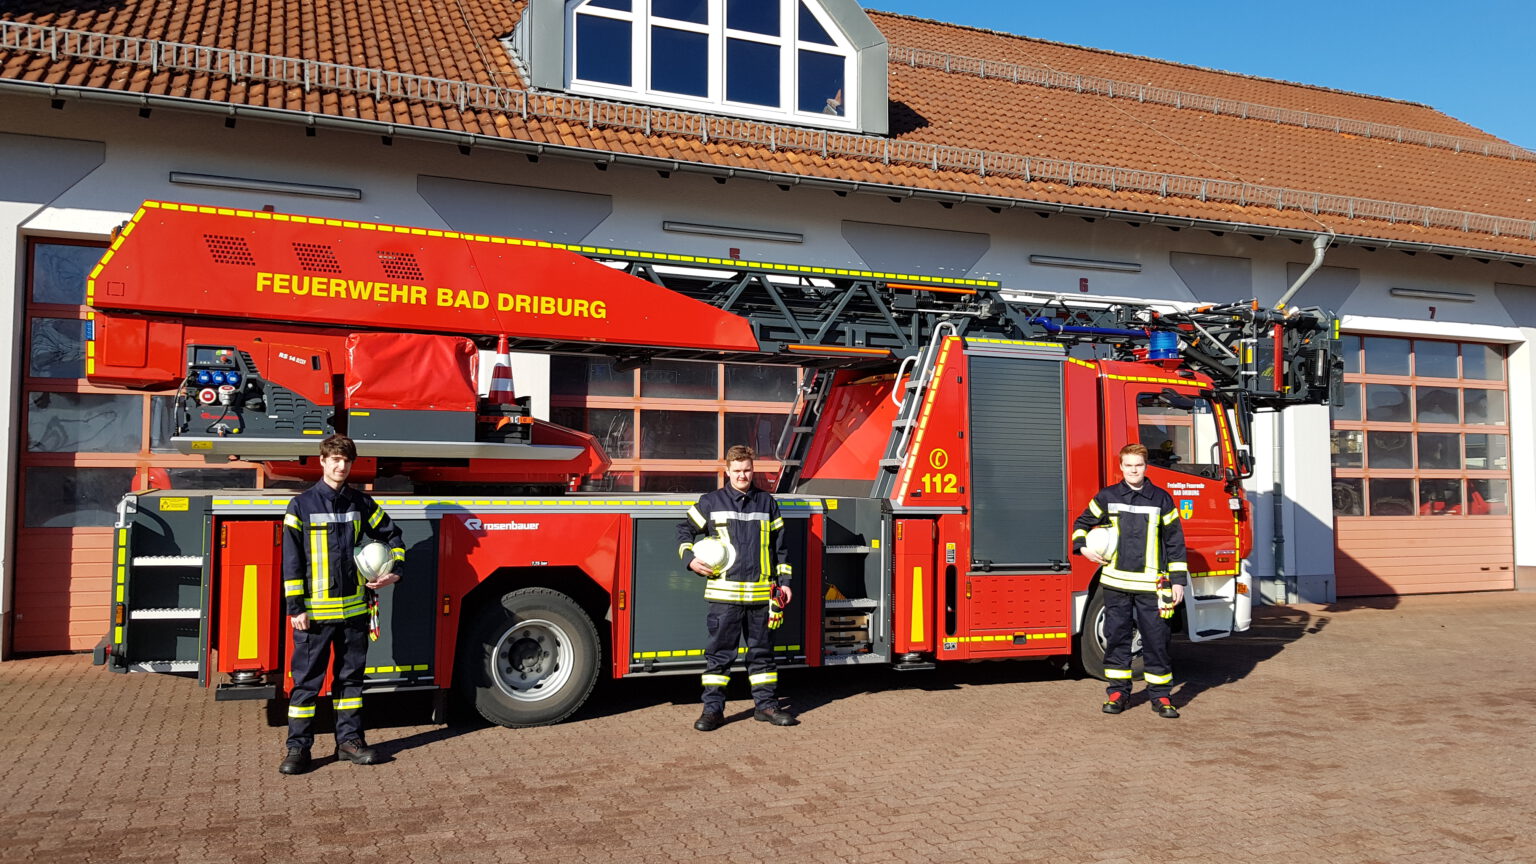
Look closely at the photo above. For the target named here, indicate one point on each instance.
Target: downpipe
(1285, 579)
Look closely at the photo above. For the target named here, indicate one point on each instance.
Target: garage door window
(1422, 431)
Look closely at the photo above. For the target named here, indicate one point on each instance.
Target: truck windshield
(1179, 432)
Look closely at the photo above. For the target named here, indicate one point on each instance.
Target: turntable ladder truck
(944, 436)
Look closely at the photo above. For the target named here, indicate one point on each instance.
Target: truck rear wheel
(1091, 645)
(530, 659)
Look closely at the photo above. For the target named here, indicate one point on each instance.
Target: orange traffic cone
(501, 376)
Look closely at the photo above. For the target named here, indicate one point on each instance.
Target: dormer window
(785, 60)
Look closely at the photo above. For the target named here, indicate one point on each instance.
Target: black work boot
(1115, 703)
(776, 716)
(709, 721)
(296, 762)
(356, 752)
(1164, 708)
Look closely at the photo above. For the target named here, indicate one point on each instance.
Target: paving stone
(1395, 731)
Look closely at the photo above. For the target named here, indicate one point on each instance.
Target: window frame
(635, 468)
(1413, 427)
(641, 22)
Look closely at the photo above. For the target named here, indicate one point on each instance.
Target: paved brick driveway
(1398, 731)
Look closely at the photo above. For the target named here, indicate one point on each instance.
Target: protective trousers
(729, 624)
(1122, 610)
(345, 644)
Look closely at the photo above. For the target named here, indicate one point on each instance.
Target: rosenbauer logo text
(480, 527)
(337, 288)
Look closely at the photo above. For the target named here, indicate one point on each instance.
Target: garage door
(81, 448)
(1421, 475)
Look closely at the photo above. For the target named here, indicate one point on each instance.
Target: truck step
(856, 603)
(892, 463)
(846, 550)
(162, 614)
(168, 561)
(164, 666)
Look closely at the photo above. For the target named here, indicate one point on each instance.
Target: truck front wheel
(530, 659)
(1091, 644)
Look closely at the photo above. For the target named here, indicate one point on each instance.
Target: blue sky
(1474, 60)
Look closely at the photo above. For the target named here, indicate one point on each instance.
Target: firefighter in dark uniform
(746, 599)
(1142, 579)
(328, 603)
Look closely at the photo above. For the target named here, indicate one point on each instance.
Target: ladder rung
(791, 462)
(891, 463)
(800, 430)
(903, 421)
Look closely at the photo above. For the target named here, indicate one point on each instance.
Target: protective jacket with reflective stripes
(1151, 536)
(321, 529)
(750, 526)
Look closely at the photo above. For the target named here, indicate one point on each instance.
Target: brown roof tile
(929, 107)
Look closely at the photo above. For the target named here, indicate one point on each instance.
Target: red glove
(778, 598)
(1165, 602)
(782, 595)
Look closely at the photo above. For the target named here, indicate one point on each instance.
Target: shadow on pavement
(1199, 668)
(1205, 666)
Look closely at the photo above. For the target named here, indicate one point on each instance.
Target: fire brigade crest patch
(1187, 509)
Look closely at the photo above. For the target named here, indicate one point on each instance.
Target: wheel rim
(1098, 635)
(533, 660)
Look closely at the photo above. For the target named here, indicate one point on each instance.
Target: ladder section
(159, 587)
(795, 441)
(909, 393)
(162, 627)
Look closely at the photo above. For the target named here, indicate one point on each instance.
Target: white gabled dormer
(807, 62)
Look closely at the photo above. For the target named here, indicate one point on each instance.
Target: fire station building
(812, 132)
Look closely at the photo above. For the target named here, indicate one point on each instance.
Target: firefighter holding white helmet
(1142, 578)
(747, 595)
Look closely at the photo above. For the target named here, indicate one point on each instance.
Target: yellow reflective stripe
(293, 587)
(398, 552)
(1170, 517)
(1178, 566)
(763, 678)
(350, 703)
(1129, 581)
(784, 570)
(1154, 546)
(332, 602)
(716, 680)
(301, 711)
(343, 615)
(376, 518)
(762, 550)
(319, 563)
(776, 524)
(1157, 679)
(1118, 674)
(292, 521)
(684, 547)
(696, 517)
(1079, 533)
(1094, 508)
(729, 590)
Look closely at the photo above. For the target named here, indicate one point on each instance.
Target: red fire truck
(945, 434)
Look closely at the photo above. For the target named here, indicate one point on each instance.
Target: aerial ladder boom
(297, 307)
